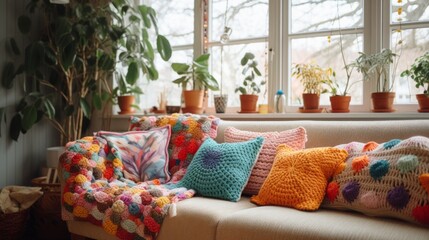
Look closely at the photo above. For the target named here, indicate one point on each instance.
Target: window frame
(376, 32)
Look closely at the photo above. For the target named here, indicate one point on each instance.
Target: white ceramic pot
(53, 155)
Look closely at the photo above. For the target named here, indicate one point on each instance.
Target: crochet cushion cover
(298, 179)
(294, 138)
(188, 131)
(143, 153)
(388, 179)
(222, 170)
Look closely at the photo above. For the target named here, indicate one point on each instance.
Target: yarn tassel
(172, 210)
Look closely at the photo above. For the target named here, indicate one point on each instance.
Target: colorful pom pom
(407, 163)
(424, 181)
(351, 191)
(359, 163)
(378, 169)
(332, 191)
(398, 197)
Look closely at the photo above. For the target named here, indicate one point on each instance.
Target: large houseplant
(195, 80)
(375, 67)
(70, 64)
(250, 87)
(312, 77)
(419, 72)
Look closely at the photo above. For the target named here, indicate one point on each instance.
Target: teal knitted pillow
(222, 170)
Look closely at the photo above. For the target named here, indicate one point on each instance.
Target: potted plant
(312, 77)
(71, 63)
(250, 86)
(340, 98)
(125, 92)
(419, 72)
(195, 79)
(376, 67)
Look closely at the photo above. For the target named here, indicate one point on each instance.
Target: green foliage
(68, 66)
(250, 84)
(195, 75)
(419, 72)
(313, 77)
(376, 67)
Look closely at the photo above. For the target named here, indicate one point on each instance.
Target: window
(316, 35)
(176, 23)
(409, 38)
(248, 20)
(281, 33)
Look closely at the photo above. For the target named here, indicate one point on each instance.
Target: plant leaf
(69, 110)
(96, 99)
(24, 24)
(14, 47)
(8, 75)
(15, 127)
(180, 68)
(29, 117)
(85, 108)
(49, 108)
(132, 74)
(164, 47)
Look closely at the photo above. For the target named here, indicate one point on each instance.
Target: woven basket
(13, 225)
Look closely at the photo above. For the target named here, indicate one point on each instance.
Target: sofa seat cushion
(278, 223)
(198, 218)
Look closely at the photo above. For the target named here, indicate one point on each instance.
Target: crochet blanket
(96, 191)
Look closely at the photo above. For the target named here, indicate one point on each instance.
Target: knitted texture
(188, 132)
(295, 138)
(388, 179)
(96, 191)
(222, 170)
(298, 179)
(143, 153)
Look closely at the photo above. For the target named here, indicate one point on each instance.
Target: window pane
(410, 11)
(311, 15)
(319, 50)
(247, 18)
(175, 20)
(231, 68)
(415, 44)
(153, 89)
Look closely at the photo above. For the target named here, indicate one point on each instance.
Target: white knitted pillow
(294, 138)
(388, 179)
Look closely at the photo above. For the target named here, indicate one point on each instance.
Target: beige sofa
(202, 218)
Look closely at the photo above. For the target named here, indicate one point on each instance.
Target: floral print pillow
(144, 154)
(188, 132)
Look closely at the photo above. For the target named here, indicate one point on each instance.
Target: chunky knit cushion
(222, 170)
(295, 138)
(144, 154)
(298, 179)
(188, 131)
(388, 179)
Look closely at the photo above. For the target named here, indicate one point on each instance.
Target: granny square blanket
(96, 191)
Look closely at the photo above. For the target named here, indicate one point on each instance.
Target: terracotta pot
(423, 102)
(125, 104)
(340, 104)
(194, 100)
(311, 101)
(248, 103)
(382, 101)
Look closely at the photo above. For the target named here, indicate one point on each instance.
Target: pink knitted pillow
(295, 138)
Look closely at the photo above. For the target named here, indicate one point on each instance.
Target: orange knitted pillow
(298, 179)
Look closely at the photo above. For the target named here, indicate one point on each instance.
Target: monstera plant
(68, 64)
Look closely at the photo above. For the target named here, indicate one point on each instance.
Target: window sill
(306, 116)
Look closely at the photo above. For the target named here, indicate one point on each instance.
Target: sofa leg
(79, 237)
